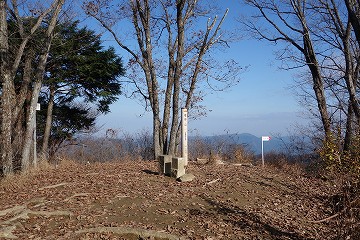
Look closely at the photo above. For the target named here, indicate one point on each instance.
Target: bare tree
(12, 101)
(353, 8)
(6, 97)
(172, 54)
(337, 33)
(39, 75)
(288, 23)
(321, 35)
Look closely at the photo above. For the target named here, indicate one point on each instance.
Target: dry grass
(345, 208)
(67, 162)
(279, 161)
(238, 154)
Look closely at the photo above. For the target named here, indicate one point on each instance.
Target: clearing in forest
(129, 200)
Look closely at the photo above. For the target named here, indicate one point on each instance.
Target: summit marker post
(184, 135)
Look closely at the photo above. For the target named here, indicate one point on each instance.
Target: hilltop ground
(129, 200)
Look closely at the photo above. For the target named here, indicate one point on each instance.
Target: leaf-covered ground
(129, 200)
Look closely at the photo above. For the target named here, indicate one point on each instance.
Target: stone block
(177, 167)
(178, 163)
(165, 164)
(176, 173)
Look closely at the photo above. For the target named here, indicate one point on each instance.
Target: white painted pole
(263, 138)
(184, 135)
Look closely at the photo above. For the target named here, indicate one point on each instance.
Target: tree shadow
(286, 188)
(245, 220)
(147, 171)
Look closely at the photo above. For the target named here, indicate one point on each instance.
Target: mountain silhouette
(249, 141)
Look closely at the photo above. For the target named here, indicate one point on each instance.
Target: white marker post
(35, 153)
(184, 135)
(263, 139)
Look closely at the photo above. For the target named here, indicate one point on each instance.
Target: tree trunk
(24, 89)
(30, 127)
(158, 150)
(178, 140)
(349, 129)
(6, 125)
(47, 131)
(141, 20)
(21, 110)
(322, 106)
(351, 75)
(6, 96)
(40, 70)
(318, 85)
(353, 8)
(180, 23)
(167, 100)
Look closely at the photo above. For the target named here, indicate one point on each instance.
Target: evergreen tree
(80, 72)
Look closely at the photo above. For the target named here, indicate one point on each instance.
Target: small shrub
(343, 168)
(237, 153)
(284, 163)
(199, 148)
(114, 146)
(217, 148)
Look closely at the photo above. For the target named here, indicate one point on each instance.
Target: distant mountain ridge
(250, 141)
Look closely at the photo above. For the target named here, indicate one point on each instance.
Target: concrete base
(188, 177)
(177, 167)
(177, 173)
(165, 164)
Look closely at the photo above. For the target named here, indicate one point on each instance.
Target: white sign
(265, 138)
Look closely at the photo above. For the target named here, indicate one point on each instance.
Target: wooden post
(184, 135)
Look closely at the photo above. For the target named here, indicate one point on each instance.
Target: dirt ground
(129, 200)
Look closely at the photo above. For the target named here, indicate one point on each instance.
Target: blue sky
(261, 104)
